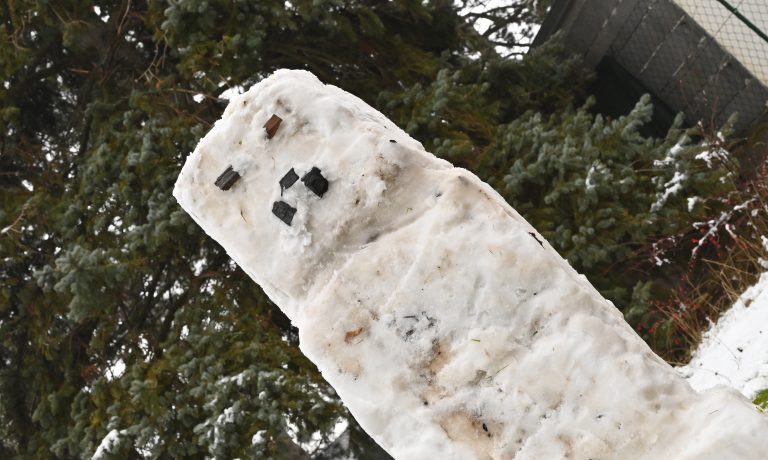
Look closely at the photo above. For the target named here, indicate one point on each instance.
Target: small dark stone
(289, 179)
(227, 179)
(485, 427)
(393, 141)
(315, 181)
(272, 125)
(283, 211)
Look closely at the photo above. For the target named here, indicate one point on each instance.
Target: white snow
(692, 200)
(237, 379)
(107, 444)
(260, 437)
(104, 17)
(449, 327)
(116, 369)
(221, 426)
(596, 168)
(671, 188)
(709, 156)
(734, 352)
(671, 156)
(232, 92)
(712, 226)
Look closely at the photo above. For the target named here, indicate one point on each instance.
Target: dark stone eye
(227, 179)
(315, 181)
(283, 211)
(289, 179)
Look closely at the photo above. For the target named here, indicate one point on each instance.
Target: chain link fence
(740, 26)
(707, 58)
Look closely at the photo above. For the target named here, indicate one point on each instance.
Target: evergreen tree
(602, 193)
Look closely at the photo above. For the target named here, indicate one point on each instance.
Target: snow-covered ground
(734, 352)
(447, 324)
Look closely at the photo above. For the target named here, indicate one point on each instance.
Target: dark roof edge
(552, 21)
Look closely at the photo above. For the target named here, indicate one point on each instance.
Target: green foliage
(457, 114)
(761, 400)
(601, 192)
(593, 183)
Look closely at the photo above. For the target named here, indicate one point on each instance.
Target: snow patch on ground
(734, 352)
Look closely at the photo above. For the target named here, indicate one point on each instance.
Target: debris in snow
(315, 181)
(445, 322)
(289, 179)
(272, 125)
(227, 179)
(283, 211)
(734, 352)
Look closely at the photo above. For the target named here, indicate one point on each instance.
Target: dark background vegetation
(118, 313)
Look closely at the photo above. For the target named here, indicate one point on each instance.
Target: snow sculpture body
(447, 325)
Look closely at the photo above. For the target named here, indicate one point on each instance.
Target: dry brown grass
(733, 259)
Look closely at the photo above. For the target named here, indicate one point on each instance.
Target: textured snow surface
(734, 352)
(445, 322)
